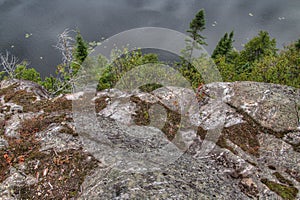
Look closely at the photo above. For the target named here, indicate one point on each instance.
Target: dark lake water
(43, 20)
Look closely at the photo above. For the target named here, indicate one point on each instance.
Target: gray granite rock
(228, 144)
(273, 106)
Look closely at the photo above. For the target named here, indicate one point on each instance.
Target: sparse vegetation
(286, 192)
(59, 175)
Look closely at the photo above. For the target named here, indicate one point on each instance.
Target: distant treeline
(259, 61)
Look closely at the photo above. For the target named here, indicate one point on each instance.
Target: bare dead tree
(9, 63)
(65, 45)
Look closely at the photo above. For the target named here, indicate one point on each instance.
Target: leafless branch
(9, 63)
(65, 45)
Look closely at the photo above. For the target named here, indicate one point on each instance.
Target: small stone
(248, 182)
(292, 138)
(45, 172)
(16, 109)
(3, 143)
(2, 117)
(249, 187)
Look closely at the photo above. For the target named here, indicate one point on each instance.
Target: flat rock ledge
(237, 140)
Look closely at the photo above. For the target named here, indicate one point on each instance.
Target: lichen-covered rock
(229, 141)
(249, 137)
(28, 86)
(187, 178)
(16, 179)
(274, 106)
(14, 124)
(293, 138)
(54, 138)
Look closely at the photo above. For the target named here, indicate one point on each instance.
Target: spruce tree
(197, 25)
(297, 45)
(258, 47)
(224, 46)
(81, 49)
(80, 53)
(254, 51)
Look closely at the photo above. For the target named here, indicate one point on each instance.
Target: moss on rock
(282, 180)
(286, 192)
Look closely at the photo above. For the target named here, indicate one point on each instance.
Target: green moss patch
(222, 143)
(201, 132)
(8, 90)
(26, 146)
(286, 192)
(172, 124)
(59, 104)
(262, 129)
(19, 150)
(142, 117)
(150, 87)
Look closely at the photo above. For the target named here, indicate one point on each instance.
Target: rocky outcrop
(236, 140)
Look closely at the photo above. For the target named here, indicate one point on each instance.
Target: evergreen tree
(80, 53)
(197, 25)
(255, 50)
(282, 69)
(224, 46)
(124, 61)
(258, 47)
(74, 52)
(81, 49)
(297, 45)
